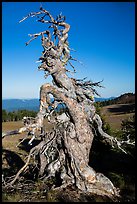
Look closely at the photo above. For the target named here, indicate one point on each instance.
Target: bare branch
(32, 14)
(113, 141)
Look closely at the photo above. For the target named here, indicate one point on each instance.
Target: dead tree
(65, 150)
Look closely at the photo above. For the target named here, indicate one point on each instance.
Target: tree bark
(66, 149)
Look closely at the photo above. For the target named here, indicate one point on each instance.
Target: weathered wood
(65, 149)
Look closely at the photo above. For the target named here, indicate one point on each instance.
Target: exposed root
(56, 156)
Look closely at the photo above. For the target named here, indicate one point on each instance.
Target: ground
(114, 114)
(118, 167)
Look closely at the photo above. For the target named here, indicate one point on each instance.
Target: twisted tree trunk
(65, 150)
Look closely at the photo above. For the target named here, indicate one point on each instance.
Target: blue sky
(102, 33)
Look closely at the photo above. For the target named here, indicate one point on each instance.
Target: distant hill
(29, 104)
(33, 104)
(118, 109)
(103, 99)
(19, 104)
(125, 98)
(23, 104)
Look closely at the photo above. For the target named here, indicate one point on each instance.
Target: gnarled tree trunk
(65, 150)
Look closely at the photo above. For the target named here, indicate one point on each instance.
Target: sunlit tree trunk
(65, 149)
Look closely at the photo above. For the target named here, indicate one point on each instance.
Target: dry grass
(10, 142)
(114, 114)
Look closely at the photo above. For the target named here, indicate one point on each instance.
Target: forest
(16, 115)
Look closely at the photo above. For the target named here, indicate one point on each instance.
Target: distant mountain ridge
(125, 98)
(104, 99)
(33, 104)
(28, 104)
(19, 104)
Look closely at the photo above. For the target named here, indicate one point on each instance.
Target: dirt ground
(12, 141)
(40, 192)
(114, 114)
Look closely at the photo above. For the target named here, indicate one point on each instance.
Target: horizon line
(5, 98)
